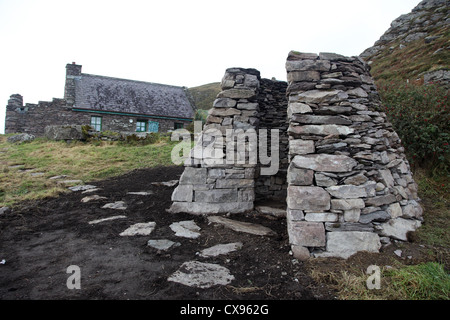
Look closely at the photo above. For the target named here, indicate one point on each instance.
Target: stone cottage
(104, 103)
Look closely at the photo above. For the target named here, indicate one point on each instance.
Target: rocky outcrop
(21, 137)
(426, 16)
(419, 38)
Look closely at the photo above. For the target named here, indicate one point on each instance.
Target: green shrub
(421, 116)
(85, 131)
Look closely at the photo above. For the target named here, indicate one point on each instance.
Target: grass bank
(26, 168)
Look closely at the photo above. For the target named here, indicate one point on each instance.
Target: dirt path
(40, 240)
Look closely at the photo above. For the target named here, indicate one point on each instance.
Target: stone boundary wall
(350, 187)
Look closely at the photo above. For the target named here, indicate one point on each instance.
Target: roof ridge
(130, 80)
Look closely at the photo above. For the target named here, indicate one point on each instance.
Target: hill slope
(416, 47)
(204, 96)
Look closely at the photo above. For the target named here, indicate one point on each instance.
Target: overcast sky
(178, 42)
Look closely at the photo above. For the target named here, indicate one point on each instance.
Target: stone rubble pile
(350, 187)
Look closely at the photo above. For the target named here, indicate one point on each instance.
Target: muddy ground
(39, 240)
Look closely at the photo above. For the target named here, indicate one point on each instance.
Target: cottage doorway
(153, 126)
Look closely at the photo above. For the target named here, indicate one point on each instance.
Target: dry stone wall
(350, 187)
(272, 116)
(342, 174)
(209, 183)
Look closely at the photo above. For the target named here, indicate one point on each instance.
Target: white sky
(178, 42)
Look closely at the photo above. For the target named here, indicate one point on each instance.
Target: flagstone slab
(141, 193)
(201, 275)
(220, 249)
(118, 205)
(139, 229)
(170, 183)
(83, 187)
(92, 198)
(162, 244)
(186, 229)
(240, 226)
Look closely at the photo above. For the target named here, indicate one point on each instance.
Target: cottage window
(141, 126)
(96, 123)
(178, 125)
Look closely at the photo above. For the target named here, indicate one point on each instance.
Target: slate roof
(121, 95)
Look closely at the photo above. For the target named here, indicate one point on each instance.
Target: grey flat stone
(141, 193)
(79, 187)
(198, 208)
(398, 228)
(139, 229)
(345, 244)
(201, 275)
(16, 166)
(58, 177)
(92, 198)
(240, 226)
(220, 249)
(106, 219)
(186, 229)
(118, 205)
(276, 212)
(37, 174)
(91, 190)
(170, 183)
(162, 244)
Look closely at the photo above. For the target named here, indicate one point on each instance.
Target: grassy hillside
(401, 61)
(416, 43)
(205, 95)
(398, 63)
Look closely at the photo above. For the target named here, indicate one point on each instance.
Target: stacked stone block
(350, 187)
(216, 183)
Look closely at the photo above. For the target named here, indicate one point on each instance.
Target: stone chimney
(73, 71)
(15, 101)
(14, 111)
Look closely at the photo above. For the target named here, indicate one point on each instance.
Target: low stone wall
(350, 186)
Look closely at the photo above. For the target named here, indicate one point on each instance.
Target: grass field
(26, 168)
